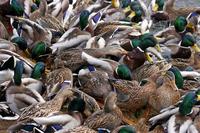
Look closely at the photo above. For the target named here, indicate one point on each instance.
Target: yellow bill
(131, 15)
(198, 97)
(155, 7)
(127, 9)
(158, 47)
(190, 26)
(148, 57)
(115, 3)
(196, 48)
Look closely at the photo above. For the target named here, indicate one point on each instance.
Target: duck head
(191, 98)
(39, 49)
(158, 5)
(188, 40)
(38, 70)
(127, 129)
(77, 104)
(123, 72)
(21, 43)
(84, 16)
(18, 71)
(16, 8)
(178, 77)
(180, 24)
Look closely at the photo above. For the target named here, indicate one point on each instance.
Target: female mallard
(18, 95)
(179, 118)
(166, 93)
(46, 108)
(72, 58)
(110, 117)
(68, 121)
(95, 84)
(55, 78)
(82, 129)
(173, 12)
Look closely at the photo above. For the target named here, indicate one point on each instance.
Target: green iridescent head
(84, 18)
(16, 8)
(18, 71)
(178, 77)
(147, 40)
(21, 43)
(180, 24)
(38, 70)
(188, 40)
(38, 50)
(187, 104)
(123, 72)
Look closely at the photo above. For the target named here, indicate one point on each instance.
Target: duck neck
(58, 100)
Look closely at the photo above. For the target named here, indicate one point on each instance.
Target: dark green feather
(180, 24)
(188, 102)
(178, 77)
(127, 129)
(21, 42)
(160, 4)
(77, 104)
(18, 71)
(16, 8)
(39, 49)
(38, 70)
(188, 40)
(123, 72)
(84, 19)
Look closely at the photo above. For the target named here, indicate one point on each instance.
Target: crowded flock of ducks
(99, 66)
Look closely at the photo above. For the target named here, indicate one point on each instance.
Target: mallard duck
(173, 12)
(73, 37)
(179, 117)
(132, 96)
(55, 78)
(68, 121)
(95, 84)
(18, 95)
(166, 93)
(33, 31)
(147, 70)
(182, 64)
(142, 43)
(72, 58)
(46, 108)
(110, 117)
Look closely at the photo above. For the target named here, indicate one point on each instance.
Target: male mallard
(142, 43)
(179, 118)
(166, 93)
(188, 40)
(17, 94)
(110, 117)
